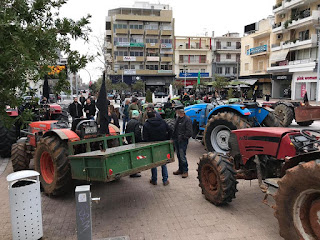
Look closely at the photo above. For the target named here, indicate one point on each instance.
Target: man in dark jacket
(90, 109)
(156, 129)
(181, 134)
(82, 100)
(134, 126)
(125, 114)
(75, 109)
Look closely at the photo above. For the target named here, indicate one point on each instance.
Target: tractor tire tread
(288, 114)
(19, 157)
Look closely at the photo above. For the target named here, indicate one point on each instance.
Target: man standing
(125, 114)
(134, 126)
(156, 129)
(181, 134)
(150, 108)
(75, 109)
(82, 100)
(90, 109)
(133, 106)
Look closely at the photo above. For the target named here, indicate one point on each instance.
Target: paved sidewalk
(135, 208)
(3, 164)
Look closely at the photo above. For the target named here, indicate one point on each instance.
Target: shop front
(281, 86)
(302, 83)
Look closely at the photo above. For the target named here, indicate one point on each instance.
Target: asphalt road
(135, 208)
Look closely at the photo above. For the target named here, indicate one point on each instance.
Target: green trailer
(110, 164)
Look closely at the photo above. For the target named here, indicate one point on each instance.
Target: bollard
(25, 205)
(83, 210)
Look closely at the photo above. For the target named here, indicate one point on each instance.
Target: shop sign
(303, 78)
(303, 89)
(166, 45)
(166, 51)
(256, 50)
(129, 58)
(189, 82)
(193, 75)
(152, 58)
(136, 44)
(123, 44)
(164, 71)
(281, 77)
(129, 72)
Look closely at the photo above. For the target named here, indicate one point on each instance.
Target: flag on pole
(199, 77)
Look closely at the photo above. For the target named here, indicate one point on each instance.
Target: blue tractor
(213, 122)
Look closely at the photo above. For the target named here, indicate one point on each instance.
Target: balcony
(293, 66)
(137, 31)
(166, 32)
(289, 4)
(166, 59)
(152, 45)
(129, 44)
(121, 31)
(277, 27)
(278, 7)
(165, 71)
(306, 19)
(296, 43)
(153, 59)
(195, 63)
(226, 49)
(152, 32)
(129, 59)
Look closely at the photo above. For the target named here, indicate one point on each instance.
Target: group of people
(154, 128)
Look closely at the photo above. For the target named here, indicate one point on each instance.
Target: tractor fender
(230, 108)
(63, 134)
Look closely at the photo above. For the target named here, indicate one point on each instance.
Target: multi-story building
(226, 55)
(255, 51)
(294, 48)
(193, 55)
(138, 45)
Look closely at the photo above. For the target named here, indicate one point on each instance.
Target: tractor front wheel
(285, 114)
(217, 132)
(19, 157)
(217, 178)
(305, 124)
(298, 202)
(52, 163)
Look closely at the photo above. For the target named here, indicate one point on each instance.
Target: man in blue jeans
(125, 116)
(181, 134)
(156, 129)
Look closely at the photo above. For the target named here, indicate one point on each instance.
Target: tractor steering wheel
(307, 133)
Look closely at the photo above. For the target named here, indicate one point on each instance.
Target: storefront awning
(279, 56)
(244, 81)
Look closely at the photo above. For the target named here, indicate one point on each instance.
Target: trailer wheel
(305, 124)
(271, 120)
(7, 138)
(298, 202)
(285, 114)
(217, 178)
(19, 157)
(52, 163)
(217, 132)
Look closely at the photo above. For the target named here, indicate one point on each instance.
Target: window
(108, 25)
(121, 53)
(227, 70)
(136, 39)
(124, 67)
(246, 66)
(151, 40)
(152, 67)
(228, 44)
(238, 45)
(203, 70)
(203, 58)
(219, 70)
(235, 70)
(304, 35)
(166, 67)
(136, 54)
(238, 57)
(166, 40)
(193, 59)
(218, 44)
(136, 26)
(260, 65)
(120, 40)
(228, 56)
(151, 26)
(119, 26)
(166, 27)
(218, 57)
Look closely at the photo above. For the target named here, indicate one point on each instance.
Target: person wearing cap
(133, 106)
(156, 129)
(181, 134)
(150, 108)
(134, 126)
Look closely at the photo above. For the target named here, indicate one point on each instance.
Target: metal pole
(318, 70)
(185, 77)
(75, 76)
(83, 211)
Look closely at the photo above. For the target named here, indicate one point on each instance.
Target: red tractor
(287, 166)
(49, 143)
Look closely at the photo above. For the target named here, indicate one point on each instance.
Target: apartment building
(193, 55)
(293, 56)
(255, 51)
(138, 45)
(226, 55)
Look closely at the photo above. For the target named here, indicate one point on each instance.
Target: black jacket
(91, 108)
(82, 100)
(115, 119)
(182, 129)
(135, 127)
(75, 110)
(156, 129)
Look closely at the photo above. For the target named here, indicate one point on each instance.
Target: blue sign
(260, 49)
(195, 75)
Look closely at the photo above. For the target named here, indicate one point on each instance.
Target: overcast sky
(192, 18)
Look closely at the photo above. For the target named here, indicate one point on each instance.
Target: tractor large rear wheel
(217, 178)
(217, 132)
(271, 120)
(52, 163)
(298, 202)
(285, 114)
(19, 157)
(7, 138)
(171, 122)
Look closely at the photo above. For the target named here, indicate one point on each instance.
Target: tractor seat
(250, 104)
(76, 122)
